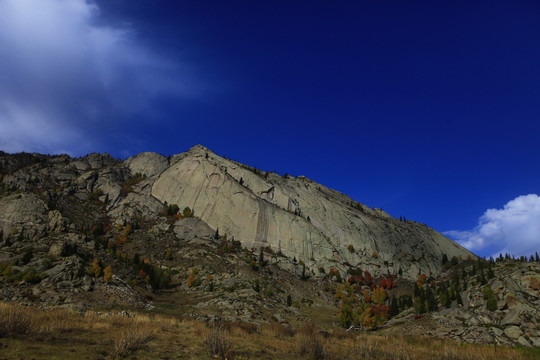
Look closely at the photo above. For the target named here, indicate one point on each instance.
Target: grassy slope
(28, 333)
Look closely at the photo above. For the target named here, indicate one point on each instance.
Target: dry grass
(31, 333)
(130, 339)
(15, 321)
(278, 331)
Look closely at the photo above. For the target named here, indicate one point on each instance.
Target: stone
(522, 341)
(513, 332)
(512, 317)
(497, 332)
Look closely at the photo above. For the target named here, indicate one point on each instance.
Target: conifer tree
(431, 300)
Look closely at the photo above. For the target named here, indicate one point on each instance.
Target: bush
(312, 346)
(131, 339)
(27, 256)
(47, 262)
(14, 322)
(194, 278)
(217, 342)
(350, 248)
(187, 212)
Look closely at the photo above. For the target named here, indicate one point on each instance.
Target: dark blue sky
(428, 110)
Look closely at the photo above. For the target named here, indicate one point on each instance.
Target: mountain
(294, 216)
(203, 236)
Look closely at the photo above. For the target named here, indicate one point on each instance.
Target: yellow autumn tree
(95, 268)
(107, 274)
(379, 296)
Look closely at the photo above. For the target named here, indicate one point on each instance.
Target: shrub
(30, 276)
(312, 346)
(350, 248)
(194, 278)
(95, 195)
(47, 262)
(374, 255)
(187, 212)
(27, 256)
(14, 321)
(217, 342)
(131, 339)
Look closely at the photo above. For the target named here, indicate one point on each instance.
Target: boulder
(513, 332)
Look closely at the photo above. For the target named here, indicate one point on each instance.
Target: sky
(428, 110)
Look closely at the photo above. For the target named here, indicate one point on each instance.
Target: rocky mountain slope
(293, 215)
(200, 235)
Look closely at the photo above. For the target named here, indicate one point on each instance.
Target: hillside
(205, 237)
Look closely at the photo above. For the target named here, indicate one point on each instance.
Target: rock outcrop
(298, 217)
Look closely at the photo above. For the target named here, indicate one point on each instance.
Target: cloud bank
(514, 229)
(64, 78)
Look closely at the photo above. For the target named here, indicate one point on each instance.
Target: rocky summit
(208, 237)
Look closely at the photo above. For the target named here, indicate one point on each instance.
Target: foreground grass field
(29, 333)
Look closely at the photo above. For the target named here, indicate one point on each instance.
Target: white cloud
(514, 229)
(63, 76)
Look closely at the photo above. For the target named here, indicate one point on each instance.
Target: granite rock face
(299, 217)
(294, 216)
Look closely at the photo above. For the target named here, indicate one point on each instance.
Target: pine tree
(394, 307)
(289, 300)
(419, 305)
(458, 297)
(431, 300)
(482, 278)
(261, 257)
(447, 301)
(216, 235)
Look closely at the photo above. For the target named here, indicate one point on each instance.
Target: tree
(458, 297)
(431, 300)
(187, 212)
(95, 268)
(444, 259)
(216, 235)
(367, 278)
(108, 274)
(394, 307)
(379, 296)
(261, 257)
(289, 300)
(489, 296)
(419, 306)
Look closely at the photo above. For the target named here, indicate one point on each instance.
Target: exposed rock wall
(299, 217)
